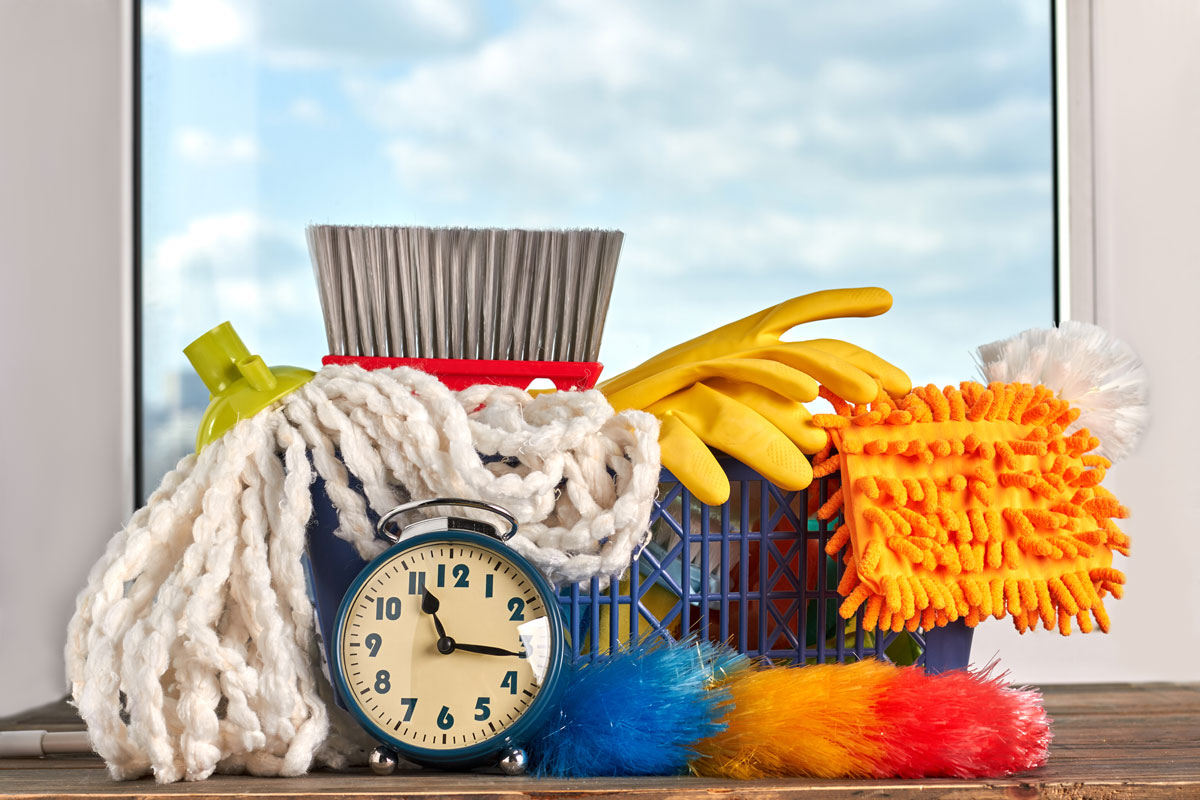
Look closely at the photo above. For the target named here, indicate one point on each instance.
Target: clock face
(460, 687)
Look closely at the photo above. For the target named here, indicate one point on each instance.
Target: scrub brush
(468, 305)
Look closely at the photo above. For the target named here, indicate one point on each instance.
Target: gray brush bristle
(514, 295)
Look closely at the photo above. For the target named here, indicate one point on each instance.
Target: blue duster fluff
(637, 713)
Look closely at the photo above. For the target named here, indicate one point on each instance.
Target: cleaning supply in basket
(741, 390)
(1084, 365)
(968, 502)
(240, 384)
(466, 304)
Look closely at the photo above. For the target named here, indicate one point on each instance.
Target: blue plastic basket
(751, 573)
(738, 573)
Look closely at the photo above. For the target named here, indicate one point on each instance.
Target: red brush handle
(459, 373)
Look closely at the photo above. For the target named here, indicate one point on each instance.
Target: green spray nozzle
(240, 384)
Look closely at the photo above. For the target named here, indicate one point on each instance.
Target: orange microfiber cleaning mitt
(963, 503)
(969, 502)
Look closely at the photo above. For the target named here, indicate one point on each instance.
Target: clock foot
(513, 761)
(383, 760)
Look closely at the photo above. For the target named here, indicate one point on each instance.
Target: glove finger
(895, 380)
(867, 301)
(691, 462)
(736, 429)
(789, 416)
(838, 375)
(759, 329)
(780, 377)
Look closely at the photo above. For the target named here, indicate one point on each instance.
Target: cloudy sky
(751, 151)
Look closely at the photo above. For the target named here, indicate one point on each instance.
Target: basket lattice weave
(770, 590)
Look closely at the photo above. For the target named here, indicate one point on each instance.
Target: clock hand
(445, 645)
(430, 605)
(484, 649)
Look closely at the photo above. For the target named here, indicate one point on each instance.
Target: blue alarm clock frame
(522, 730)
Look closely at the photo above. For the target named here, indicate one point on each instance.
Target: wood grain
(1112, 742)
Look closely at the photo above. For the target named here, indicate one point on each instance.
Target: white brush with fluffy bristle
(1084, 365)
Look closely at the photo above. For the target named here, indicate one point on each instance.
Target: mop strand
(192, 648)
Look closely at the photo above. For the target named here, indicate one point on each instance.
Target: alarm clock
(448, 648)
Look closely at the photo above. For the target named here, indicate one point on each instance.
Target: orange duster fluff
(874, 719)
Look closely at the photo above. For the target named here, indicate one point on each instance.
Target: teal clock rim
(528, 723)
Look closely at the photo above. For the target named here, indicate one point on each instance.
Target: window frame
(132, 11)
(1074, 164)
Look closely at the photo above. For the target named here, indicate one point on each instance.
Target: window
(750, 152)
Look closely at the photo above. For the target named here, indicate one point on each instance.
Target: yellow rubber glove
(764, 427)
(739, 389)
(895, 380)
(793, 369)
(777, 375)
(763, 329)
(698, 418)
(790, 417)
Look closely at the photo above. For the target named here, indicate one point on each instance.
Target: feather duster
(959, 724)
(1084, 365)
(663, 709)
(814, 721)
(872, 719)
(640, 712)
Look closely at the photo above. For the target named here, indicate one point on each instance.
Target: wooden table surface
(1110, 742)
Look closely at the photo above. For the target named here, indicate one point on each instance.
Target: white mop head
(192, 648)
(1084, 365)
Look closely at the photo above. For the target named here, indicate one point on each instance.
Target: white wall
(63, 426)
(1145, 184)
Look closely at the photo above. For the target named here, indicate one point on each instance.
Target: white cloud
(196, 26)
(751, 156)
(763, 244)
(238, 267)
(315, 33)
(590, 97)
(308, 110)
(203, 147)
(751, 153)
(453, 20)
